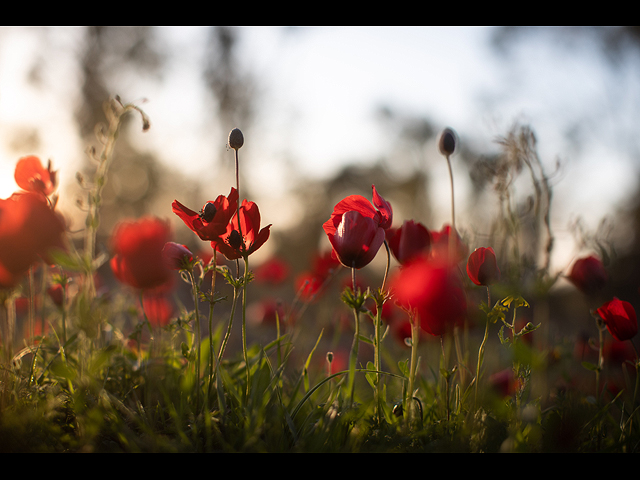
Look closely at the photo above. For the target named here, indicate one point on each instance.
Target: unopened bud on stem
(236, 139)
(447, 143)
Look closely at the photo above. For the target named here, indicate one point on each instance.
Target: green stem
(482, 346)
(244, 318)
(212, 362)
(197, 336)
(415, 334)
(353, 360)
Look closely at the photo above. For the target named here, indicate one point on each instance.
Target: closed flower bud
(236, 139)
(447, 143)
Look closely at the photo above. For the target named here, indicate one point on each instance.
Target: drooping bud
(447, 143)
(236, 139)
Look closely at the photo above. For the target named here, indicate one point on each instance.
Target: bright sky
(320, 90)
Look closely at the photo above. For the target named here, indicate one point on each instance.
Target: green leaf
(590, 366)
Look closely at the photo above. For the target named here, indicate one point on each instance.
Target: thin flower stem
(415, 335)
(482, 346)
(353, 360)
(244, 319)
(453, 208)
(212, 362)
(197, 336)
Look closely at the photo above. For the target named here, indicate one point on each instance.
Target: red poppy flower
(157, 308)
(232, 244)
(176, 256)
(273, 271)
(212, 220)
(440, 245)
(356, 240)
(356, 228)
(409, 241)
(433, 291)
(29, 230)
(31, 176)
(482, 267)
(138, 260)
(588, 275)
(620, 318)
(381, 214)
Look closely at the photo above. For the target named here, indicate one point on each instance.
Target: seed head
(236, 139)
(447, 144)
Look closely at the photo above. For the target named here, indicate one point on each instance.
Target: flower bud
(236, 139)
(447, 143)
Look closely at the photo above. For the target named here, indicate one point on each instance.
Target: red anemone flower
(357, 228)
(29, 230)
(212, 220)
(440, 245)
(138, 260)
(434, 291)
(482, 267)
(409, 241)
(620, 318)
(244, 237)
(31, 176)
(588, 275)
(357, 240)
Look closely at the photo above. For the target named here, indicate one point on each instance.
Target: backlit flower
(588, 275)
(212, 220)
(243, 237)
(620, 318)
(482, 267)
(31, 176)
(409, 241)
(29, 230)
(137, 247)
(356, 240)
(434, 291)
(357, 228)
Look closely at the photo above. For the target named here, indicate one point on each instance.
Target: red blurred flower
(620, 318)
(212, 220)
(29, 230)
(482, 267)
(588, 275)
(440, 245)
(176, 256)
(31, 176)
(137, 246)
(273, 271)
(158, 309)
(434, 291)
(408, 241)
(504, 383)
(232, 244)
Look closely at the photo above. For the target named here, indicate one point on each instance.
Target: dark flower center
(208, 212)
(235, 240)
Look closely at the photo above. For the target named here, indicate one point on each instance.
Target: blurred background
(327, 112)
